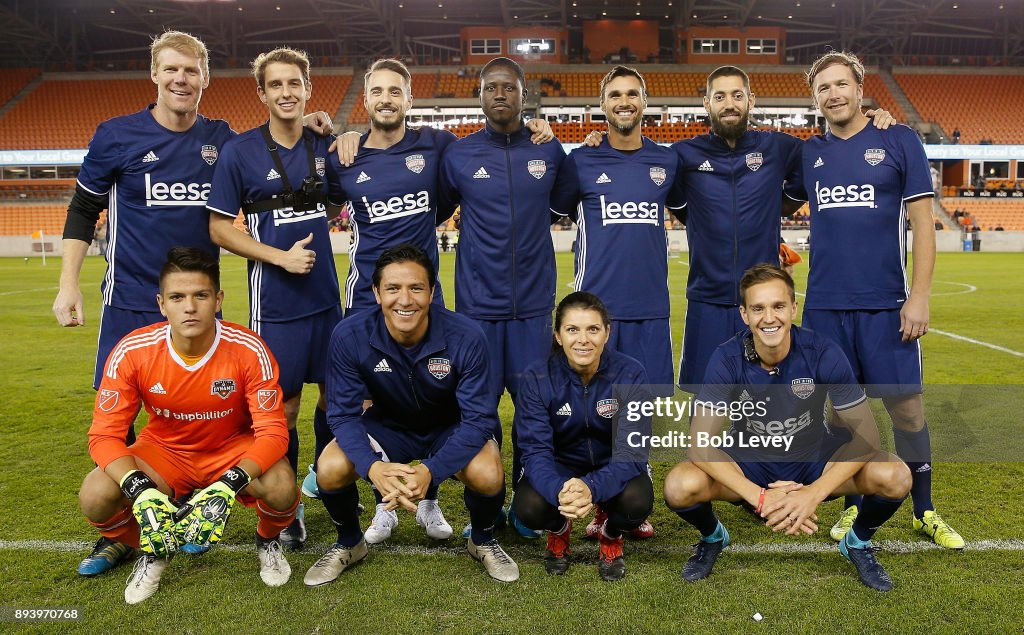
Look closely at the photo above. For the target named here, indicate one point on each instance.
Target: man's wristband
(236, 478)
(760, 501)
(136, 482)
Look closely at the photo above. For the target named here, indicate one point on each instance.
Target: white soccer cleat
(430, 517)
(384, 521)
(274, 568)
(145, 579)
(496, 562)
(331, 564)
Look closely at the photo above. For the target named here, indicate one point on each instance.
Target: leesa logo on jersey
(288, 215)
(398, 206)
(160, 193)
(780, 428)
(631, 212)
(854, 195)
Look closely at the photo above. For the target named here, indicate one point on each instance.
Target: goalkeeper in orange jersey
(216, 430)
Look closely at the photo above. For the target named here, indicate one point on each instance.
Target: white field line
(29, 290)
(456, 548)
(971, 340)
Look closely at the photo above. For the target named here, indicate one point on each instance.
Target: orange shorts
(186, 472)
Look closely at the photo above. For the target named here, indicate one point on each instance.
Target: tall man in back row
(866, 183)
(277, 174)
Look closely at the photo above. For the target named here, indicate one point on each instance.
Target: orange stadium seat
(26, 219)
(13, 80)
(964, 102)
(989, 214)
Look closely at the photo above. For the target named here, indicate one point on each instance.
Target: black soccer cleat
(870, 570)
(702, 561)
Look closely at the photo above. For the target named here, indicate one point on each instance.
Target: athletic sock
(342, 506)
(915, 448)
(873, 513)
(853, 500)
(702, 517)
(293, 450)
(483, 510)
(322, 435)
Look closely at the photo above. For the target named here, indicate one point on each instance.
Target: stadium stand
(13, 80)
(26, 218)
(43, 119)
(29, 190)
(988, 214)
(965, 102)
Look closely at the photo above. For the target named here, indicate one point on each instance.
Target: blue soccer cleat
(705, 554)
(870, 570)
(106, 555)
(309, 487)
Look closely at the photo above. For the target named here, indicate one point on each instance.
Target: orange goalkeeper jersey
(233, 390)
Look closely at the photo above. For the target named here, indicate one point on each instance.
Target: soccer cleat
(294, 535)
(643, 532)
(145, 578)
(106, 555)
(384, 520)
(938, 530)
(700, 564)
(331, 564)
(596, 525)
(309, 487)
(496, 562)
(520, 528)
(556, 557)
(610, 564)
(430, 517)
(274, 568)
(870, 570)
(193, 549)
(844, 523)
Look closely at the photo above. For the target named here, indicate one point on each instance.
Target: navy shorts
(512, 345)
(884, 364)
(397, 445)
(764, 472)
(708, 326)
(115, 323)
(650, 343)
(300, 347)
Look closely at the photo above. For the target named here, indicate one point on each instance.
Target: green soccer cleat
(844, 523)
(938, 530)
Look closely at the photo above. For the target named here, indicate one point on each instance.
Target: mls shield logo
(222, 387)
(754, 161)
(209, 154)
(415, 162)
(874, 156)
(537, 168)
(803, 387)
(658, 176)
(439, 367)
(607, 408)
(320, 163)
(107, 399)
(267, 399)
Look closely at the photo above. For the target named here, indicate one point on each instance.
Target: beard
(627, 127)
(730, 131)
(386, 126)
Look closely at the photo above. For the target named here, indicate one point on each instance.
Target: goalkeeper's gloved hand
(154, 512)
(204, 516)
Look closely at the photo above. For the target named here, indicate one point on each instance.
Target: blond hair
(183, 43)
(833, 58)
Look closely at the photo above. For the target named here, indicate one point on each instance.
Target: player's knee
(683, 486)
(277, 486)
(334, 470)
(896, 480)
(485, 473)
(99, 496)
(907, 413)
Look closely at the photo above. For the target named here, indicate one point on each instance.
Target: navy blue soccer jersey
(247, 173)
(157, 182)
(505, 267)
(858, 189)
(733, 207)
(394, 196)
(788, 402)
(618, 200)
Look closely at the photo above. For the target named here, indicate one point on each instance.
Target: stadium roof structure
(97, 33)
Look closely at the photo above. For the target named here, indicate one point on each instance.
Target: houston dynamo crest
(320, 163)
(222, 387)
(415, 163)
(803, 387)
(607, 408)
(658, 176)
(439, 367)
(754, 161)
(537, 168)
(874, 156)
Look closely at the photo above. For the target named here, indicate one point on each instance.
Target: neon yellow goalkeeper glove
(204, 516)
(154, 512)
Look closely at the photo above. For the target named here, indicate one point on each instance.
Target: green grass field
(411, 584)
